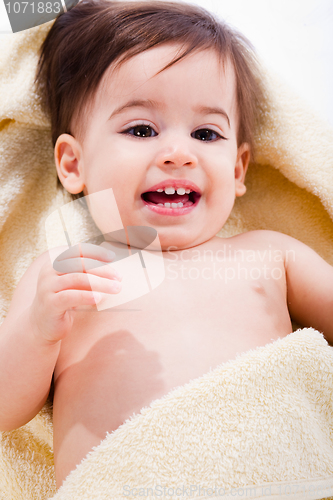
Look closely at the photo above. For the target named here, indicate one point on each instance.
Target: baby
(158, 101)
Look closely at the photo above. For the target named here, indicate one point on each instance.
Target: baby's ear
(242, 162)
(68, 156)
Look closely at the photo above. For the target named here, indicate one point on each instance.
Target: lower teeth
(171, 205)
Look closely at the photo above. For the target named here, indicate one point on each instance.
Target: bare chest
(202, 315)
(117, 361)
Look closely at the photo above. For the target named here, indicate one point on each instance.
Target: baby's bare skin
(116, 362)
(108, 365)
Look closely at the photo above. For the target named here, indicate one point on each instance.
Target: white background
(293, 37)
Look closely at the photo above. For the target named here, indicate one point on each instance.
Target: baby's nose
(177, 156)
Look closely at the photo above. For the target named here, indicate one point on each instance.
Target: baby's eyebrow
(207, 110)
(149, 103)
(137, 103)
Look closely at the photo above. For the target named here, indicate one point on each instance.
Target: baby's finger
(87, 250)
(71, 299)
(78, 265)
(106, 270)
(82, 281)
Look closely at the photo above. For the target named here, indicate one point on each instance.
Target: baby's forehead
(166, 55)
(156, 66)
(200, 78)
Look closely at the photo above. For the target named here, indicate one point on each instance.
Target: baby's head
(183, 81)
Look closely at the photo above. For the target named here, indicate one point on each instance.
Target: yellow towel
(289, 189)
(265, 417)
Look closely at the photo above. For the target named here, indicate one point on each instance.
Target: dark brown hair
(83, 42)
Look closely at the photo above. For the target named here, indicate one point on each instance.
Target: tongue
(156, 197)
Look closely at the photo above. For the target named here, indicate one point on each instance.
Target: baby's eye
(140, 131)
(143, 130)
(203, 133)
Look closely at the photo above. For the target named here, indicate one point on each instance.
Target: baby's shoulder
(268, 242)
(47, 256)
(260, 238)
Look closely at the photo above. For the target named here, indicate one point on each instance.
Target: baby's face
(149, 132)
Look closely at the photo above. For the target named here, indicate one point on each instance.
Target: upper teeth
(171, 190)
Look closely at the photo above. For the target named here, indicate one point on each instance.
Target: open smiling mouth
(172, 203)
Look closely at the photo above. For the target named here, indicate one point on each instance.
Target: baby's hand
(66, 286)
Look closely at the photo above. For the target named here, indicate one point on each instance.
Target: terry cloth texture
(266, 417)
(263, 419)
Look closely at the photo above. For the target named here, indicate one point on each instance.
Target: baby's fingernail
(116, 286)
(111, 255)
(119, 275)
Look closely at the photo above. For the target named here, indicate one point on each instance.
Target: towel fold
(262, 421)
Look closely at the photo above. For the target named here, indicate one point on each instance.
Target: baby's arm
(309, 286)
(40, 316)
(26, 364)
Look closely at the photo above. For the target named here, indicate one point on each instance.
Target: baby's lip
(175, 183)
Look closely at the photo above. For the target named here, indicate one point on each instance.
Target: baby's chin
(183, 242)
(162, 239)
